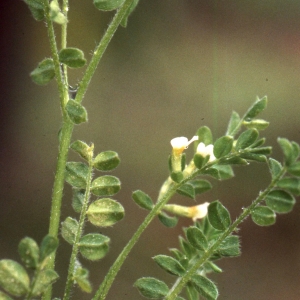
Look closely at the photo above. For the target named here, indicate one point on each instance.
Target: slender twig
(54, 53)
(65, 137)
(70, 280)
(67, 127)
(181, 283)
(167, 191)
(115, 268)
(100, 49)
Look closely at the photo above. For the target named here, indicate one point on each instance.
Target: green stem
(181, 283)
(115, 268)
(64, 31)
(70, 278)
(67, 127)
(66, 133)
(54, 51)
(98, 53)
(167, 191)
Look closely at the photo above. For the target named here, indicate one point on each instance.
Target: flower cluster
(179, 144)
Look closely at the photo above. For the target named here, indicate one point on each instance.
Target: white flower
(181, 143)
(198, 211)
(206, 150)
(193, 212)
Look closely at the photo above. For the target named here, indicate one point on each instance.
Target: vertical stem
(98, 53)
(70, 280)
(57, 192)
(66, 133)
(58, 75)
(64, 27)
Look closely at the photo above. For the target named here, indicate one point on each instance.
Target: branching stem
(182, 281)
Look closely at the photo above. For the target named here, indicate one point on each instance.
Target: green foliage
(82, 149)
(44, 72)
(205, 242)
(275, 167)
(151, 288)
(280, 201)
(257, 124)
(246, 139)
(106, 186)
(256, 108)
(290, 150)
(43, 280)
(177, 176)
(107, 5)
(169, 264)
(199, 160)
(196, 238)
(29, 252)
(13, 278)
(263, 216)
(76, 112)
(294, 169)
(218, 216)
(48, 246)
(230, 246)
(291, 184)
(69, 229)
(129, 12)
(37, 8)
(234, 124)
(55, 13)
(94, 246)
(187, 190)
(200, 185)
(76, 174)
(220, 172)
(77, 199)
(81, 277)
(166, 220)
(204, 135)
(16, 281)
(72, 57)
(105, 212)
(142, 199)
(223, 146)
(4, 296)
(205, 287)
(106, 161)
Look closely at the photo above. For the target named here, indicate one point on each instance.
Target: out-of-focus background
(177, 66)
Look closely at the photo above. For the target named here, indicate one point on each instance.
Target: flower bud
(206, 150)
(193, 212)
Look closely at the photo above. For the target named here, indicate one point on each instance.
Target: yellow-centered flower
(181, 143)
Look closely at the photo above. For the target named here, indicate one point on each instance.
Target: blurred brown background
(177, 66)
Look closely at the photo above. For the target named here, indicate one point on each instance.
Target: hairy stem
(181, 283)
(67, 128)
(70, 280)
(100, 49)
(58, 187)
(115, 268)
(54, 52)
